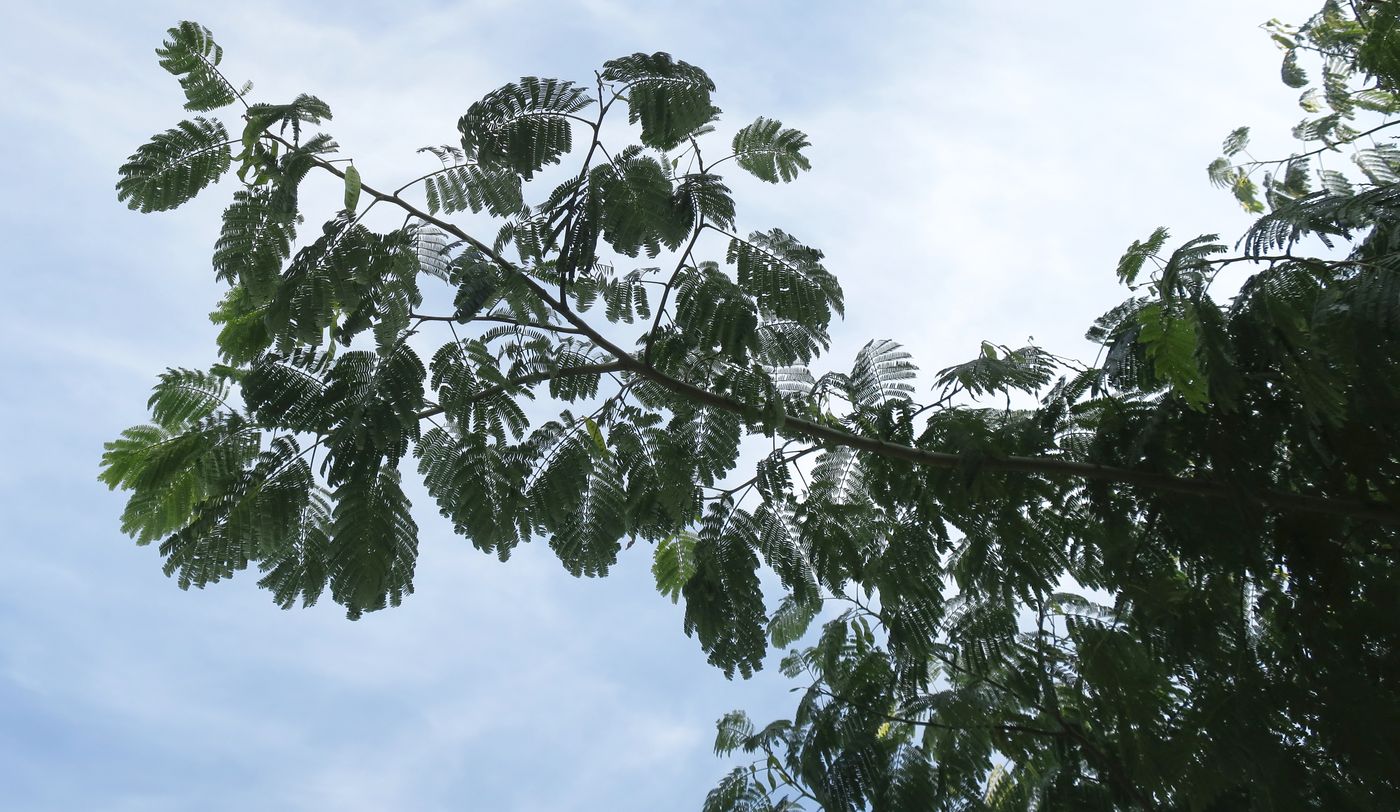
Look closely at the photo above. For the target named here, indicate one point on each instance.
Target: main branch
(836, 436)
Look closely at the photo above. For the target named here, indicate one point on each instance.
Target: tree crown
(1166, 582)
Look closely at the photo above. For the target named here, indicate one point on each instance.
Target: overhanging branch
(822, 433)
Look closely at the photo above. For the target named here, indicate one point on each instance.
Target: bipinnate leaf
(669, 97)
(673, 564)
(770, 152)
(474, 188)
(190, 53)
(175, 166)
(731, 732)
(522, 127)
(791, 620)
(373, 544)
(723, 599)
(636, 211)
(1139, 252)
(786, 278)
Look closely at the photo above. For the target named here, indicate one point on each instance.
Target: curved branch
(824, 433)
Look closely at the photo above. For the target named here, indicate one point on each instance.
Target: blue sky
(977, 171)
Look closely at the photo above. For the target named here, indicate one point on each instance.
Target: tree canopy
(1166, 579)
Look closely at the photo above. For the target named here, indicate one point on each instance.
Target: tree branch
(666, 290)
(526, 380)
(1322, 149)
(1040, 466)
(539, 325)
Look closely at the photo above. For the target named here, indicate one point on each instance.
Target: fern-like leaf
(670, 98)
(786, 278)
(1235, 142)
(373, 544)
(723, 599)
(190, 53)
(880, 374)
(770, 152)
(479, 486)
(779, 540)
(304, 109)
(715, 312)
(299, 567)
(186, 396)
(175, 166)
(171, 473)
(475, 188)
(1169, 335)
(1140, 251)
(432, 248)
(635, 210)
(707, 439)
(256, 239)
(1027, 369)
(673, 564)
(704, 195)
(522, 127)
(791, 620)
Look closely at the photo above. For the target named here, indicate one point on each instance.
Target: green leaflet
(191, 54)
(732, 731)
(258, 512)
(714, 312)
(770, 152)
(171, 473)
(1027, 369)
(577, 497)
(786, 278)
(624, 298)
(474, 188)
(186, 396)
(372, 402)
(373, 543)
(255, 240)
(881, 373)
(1292, 74)
(175, 166)
(242, 335)
(522, 127)
(670, 98)
(1140, 251)
(723, 600)
(635, 210)
(779, 539)
(791, 620)
(479, 486)
(673, 564)
(1236, 141)
(298, 568)
(1169, 335)
(704, 196)
(304, 109)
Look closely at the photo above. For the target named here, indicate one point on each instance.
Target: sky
(977, 171)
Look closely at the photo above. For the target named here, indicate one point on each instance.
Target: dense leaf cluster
(1166, 579)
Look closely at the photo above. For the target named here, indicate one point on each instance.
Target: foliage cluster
(1170, 583)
